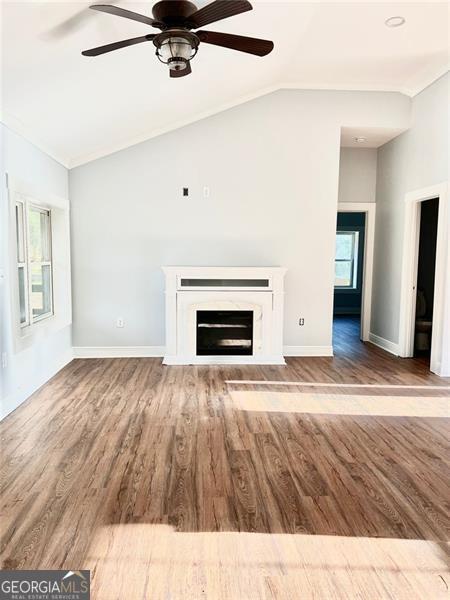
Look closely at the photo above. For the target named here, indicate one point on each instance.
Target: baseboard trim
(443, 374)
(159, 352)
(13, 401)
(118, 351)
(384, 344)
(308, 350)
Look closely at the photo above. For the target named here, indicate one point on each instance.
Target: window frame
(21, 257)
(354, 284)
(23, 244)
(25, 338)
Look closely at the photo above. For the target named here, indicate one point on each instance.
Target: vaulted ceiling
(79, 108)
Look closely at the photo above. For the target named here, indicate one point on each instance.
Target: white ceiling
(79, 108)
(367, 137)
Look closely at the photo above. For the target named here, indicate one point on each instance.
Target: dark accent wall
(427, 252)
(348, 302)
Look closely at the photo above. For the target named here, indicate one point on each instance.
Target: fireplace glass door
(224, 332)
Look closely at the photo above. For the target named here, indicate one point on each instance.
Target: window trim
(24, 338)
(21, 249)
(27, 204)
(354, 285)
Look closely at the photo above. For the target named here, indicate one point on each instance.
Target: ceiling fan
(176, 45)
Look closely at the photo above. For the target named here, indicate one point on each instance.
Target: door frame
(411, 237)
(369, 208)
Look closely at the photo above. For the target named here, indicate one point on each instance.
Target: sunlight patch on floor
(336, 385)
(154, 562)
(340, 404)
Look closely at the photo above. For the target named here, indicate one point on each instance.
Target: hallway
(346, 334)
(347, 343)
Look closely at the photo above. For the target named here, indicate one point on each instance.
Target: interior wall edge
(17, 398)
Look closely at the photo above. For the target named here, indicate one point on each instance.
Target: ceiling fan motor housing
(174, 13)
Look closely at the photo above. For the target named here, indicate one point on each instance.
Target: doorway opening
(426, 269)
(349, 274)
(435, 312)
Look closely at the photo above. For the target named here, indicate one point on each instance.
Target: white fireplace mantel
(256, 289)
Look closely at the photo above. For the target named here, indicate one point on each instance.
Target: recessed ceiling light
(395, 21)
(360, 140)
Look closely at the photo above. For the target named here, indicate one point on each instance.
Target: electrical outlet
(301, 321)
(120, 322)
(206, 192)
(4, 360)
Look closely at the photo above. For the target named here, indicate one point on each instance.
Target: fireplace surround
(224, 315)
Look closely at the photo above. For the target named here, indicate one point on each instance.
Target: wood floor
(234, 483)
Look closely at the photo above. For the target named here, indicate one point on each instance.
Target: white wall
(415, 159)
(357, 175)
(272, 166)
(27, 370)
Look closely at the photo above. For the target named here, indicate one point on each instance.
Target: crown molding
(72, 162)
(152, 133)
(416, 90)
(15, 125)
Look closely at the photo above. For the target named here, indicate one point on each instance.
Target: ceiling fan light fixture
(176, 50)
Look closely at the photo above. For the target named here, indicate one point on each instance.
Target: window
(345, 265)
(34, 263)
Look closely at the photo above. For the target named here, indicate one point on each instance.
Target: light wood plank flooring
(234, 483)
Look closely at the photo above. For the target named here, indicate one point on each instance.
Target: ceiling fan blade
(117, 45)
(218, 10)
(70, 25)
(128, 14)
(183, 72)
(236, 42)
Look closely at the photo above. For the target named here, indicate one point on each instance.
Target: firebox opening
(224, 332)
